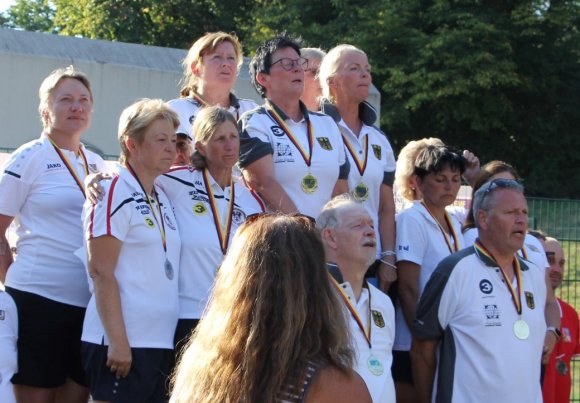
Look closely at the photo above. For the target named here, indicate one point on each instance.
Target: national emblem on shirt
(378, 318)
(324, 143)
(238, 216)
(377, 151)
(530, 300)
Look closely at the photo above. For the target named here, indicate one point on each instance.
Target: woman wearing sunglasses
(292, 157)
(426, 233)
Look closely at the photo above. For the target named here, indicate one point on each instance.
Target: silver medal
(521, 329)
(168, 269)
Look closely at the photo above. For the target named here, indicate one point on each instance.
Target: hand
(119, 359)
(386, 274)
(472, 168)
(549, 343)
(93, 188)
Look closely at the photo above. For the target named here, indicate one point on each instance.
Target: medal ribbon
(307, 157)
(361, 166)
(162, 226)
(524, 253)
(69, 166)
(223, 231)
(452, 247)
(353, 311)
(516, 296)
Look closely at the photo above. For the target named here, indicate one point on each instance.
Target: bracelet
(554, 330)
(392, 266)
(387, 253)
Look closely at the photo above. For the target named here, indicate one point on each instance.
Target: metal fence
(561, 219)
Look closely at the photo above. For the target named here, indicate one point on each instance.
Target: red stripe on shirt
(258, 199)
(110, 203)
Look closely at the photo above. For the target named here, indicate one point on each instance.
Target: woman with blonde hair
(274, 330)
(41, 188)
(210, 205)
(345, 76)
(210, 71)
(133, 260)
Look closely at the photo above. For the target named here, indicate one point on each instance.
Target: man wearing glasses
(480, 326)
(293, 158)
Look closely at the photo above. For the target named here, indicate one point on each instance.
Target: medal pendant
(375, 366)
(168, 269)
(309, 184)
(521, 329)
(361, 192)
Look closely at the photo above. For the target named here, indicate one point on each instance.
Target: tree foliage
(498, 77)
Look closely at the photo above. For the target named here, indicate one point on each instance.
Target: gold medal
(521, 329)
(375, 366)
(309, 183)
(361, 192)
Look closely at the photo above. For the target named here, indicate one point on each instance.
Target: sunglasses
(490, 186)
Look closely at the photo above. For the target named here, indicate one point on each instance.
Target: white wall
(119, 73)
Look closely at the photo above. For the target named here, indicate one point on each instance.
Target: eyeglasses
(288, 64)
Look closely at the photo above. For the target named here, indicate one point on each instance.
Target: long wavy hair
(272, 312)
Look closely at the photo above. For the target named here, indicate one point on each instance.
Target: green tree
(31, 15)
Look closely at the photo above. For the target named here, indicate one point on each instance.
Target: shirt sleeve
(110, 216)
(411, 238)
(16, 180)
(255, 141)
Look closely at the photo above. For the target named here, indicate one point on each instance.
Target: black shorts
(49, 341)
(147, 381)
(182, 333)
(401, 369)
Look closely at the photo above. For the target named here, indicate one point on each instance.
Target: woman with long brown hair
(274, 330)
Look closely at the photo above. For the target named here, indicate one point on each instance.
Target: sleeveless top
(288, 395)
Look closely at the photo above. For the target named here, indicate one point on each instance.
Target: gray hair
(330, 66)
(330, 215)
(484, 198)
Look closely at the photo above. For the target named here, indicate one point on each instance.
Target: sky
(4, 4)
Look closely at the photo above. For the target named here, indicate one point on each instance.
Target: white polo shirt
(38, 190)
(380, 166)
(261, 135)
(420, 241)
(534, 250)
(149, 299)
(8, 338)
(467, 307)
(201, 252)
(188, 108)
(382, 321)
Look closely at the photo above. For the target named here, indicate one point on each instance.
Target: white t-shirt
(467, 306)
(261, 135)
(149, 298)
(420, 241)
(8, 338)
(201, 251)
(532, 251)
(188, 108)
(38, 190)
